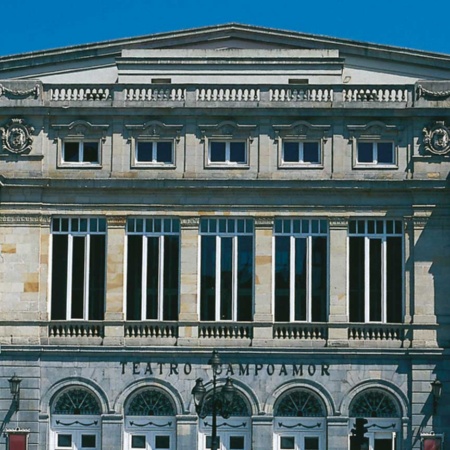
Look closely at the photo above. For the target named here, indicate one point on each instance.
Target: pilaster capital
(264, 222)
(190, 223)
(338, 223)
(116, 221)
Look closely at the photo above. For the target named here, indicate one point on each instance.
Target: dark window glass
(144, 152)
(78, 271)
(311, 443)
(164, 152)
(209, 442)
(394, 279)
(71, 152)
(300, 279)
(171, 277)
(208, 277)
(134, 277)
(282, 277)
(365, 152)
(290, 153)
(90, 152)
(356, 279)
(137, 441)
(65, 440)
(244, 278)
(97, 274)
(237, 152)
(287, 442)
(218, 152)
(311, 152)
(375, 273)
(59, 276)
(152, 277)
(319, 279)
(226, 278)
(88, 441)
(162, 442)
(237, 443)
(385, 153)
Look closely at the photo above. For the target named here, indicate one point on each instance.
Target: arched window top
(239, 407)
(300, 403)
(374, 403)
(150, 402)
(77, 401)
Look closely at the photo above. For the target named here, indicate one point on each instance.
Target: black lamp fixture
(221, 402)
(14, 387)
(436, 390)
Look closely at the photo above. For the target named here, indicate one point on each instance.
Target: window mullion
(154, 156)
(81, 151)
(144, 277)
(375, 153)
(87, 258)
(300, 152)
(292, 279)
(227, 151)
(366, 279)
(69, 277)
(161, 278)
(218, 276)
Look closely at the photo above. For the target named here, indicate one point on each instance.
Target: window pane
(90, 152)
(144, 151)
(217, 153)
(226, 279)
(78, 270)
(300, 279)
(319, 279)
(71, 152)
(290, 152)
(134, 277)
(152, 277)
(88, 441)
(282, 277)
(97, 277)
(208, 277)
(164, 152)
(137, 441)
(162, 442)
(59, 276)
(365, 152)
(237, 152)
(385, 153)
(356, 279)
(375, 280)
(245, 278)
(311, 443)
(311, 152)
(171, 269)
(209, 442)
(237, 443)
(394, 280)
(65, 440)
(287, 442)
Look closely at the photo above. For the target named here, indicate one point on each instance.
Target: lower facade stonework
(141, 398)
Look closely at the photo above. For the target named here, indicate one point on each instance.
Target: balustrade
(76, 329)
(151, 330)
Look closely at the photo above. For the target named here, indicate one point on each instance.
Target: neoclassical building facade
(279, 197)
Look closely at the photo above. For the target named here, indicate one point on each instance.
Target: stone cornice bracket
(264, 222)
(338, 222)
(374, 130)
(436, 138)
(436, 95)
(116, 221)
(155, 129)
(189, 223)
(227, 129)
(302, 130)
(36, 91)
(17, 136)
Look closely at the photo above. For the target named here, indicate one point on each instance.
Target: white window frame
(71, 234)
(226, 428)
(293, 235)
(374, 161)
(227, 161)
(80, 161)
(153, 162)
(139, 425)
(147, 231)
(70, 424)
(218, 269)
(380, 428)
(299, 428)
(367, 237)
(301, 161)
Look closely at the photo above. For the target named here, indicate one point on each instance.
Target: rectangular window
(227, 152)
(301, 152)
(77, 152)
(301, 261)
(376, 153)
(64, 440)
(154, 152)
(88, 441)
(78, 268)
(162, 442)
(153, 268)
(237, 443)
(287, 442)
(226, 280)
(376, 271)
(138, 441)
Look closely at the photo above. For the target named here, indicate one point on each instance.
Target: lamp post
(221, 401)
(14, 387)
(436, 389)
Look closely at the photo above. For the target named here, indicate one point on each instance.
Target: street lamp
(436, 389)
(14, 387)
(220, 402)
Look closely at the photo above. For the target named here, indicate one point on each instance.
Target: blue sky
(29, 25)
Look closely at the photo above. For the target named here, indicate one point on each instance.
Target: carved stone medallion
(437, 139)
(16, 136)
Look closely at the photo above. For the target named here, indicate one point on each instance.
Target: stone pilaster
(187, 432)
(262, 432)
(112, 431)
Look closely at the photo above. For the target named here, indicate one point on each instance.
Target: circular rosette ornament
(17, 136)
(437, 139)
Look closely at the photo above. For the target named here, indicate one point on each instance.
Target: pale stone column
(338, 274)
(187, 432)
(189, 302)
(263, 312)
(112, 431)
(337, 433)
(115, 260)
(262, 432)
(423, 308)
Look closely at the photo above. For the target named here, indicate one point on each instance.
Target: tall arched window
(75, 420)
(300, 421)
(382, 412)
(150, 421)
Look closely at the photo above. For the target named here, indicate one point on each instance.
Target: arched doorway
(382, 412)
(299, 421)
(75, 420)
(150, 421)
